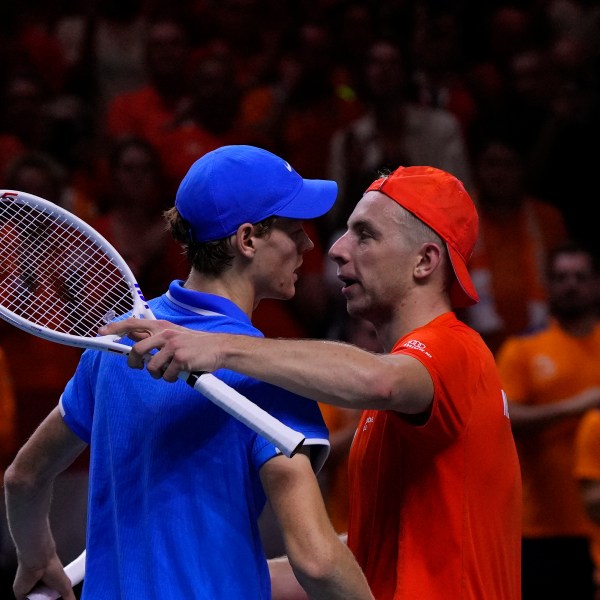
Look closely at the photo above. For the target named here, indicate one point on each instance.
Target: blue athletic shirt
(174, 488)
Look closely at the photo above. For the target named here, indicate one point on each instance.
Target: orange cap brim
(462, 291)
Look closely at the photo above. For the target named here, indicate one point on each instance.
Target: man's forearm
(525, 416)
(325, 371)
(27, 509)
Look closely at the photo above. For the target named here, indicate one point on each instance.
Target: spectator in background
(131, 215)
(254, 31)
(29, 42)
(35, 118)
(24, 123)
(551, 378)
(103, 43)
(185, 109)
(210, 118)
(214, 102)
(394, 130)
(39, 174)
(525, 103)
(438, 59)
(516, 232)
(153, 109)
(353, 28)
(562, 169)
(315, 106)
(505, 31)
(305, 106)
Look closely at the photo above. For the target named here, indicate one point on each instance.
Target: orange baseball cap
(439, 200)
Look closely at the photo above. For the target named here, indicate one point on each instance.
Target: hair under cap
(240, 184)
(439, 200)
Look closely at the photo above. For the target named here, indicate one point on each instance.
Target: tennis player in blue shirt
(176, 484)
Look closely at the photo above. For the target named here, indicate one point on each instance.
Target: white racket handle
(75, 571)
(288, 440)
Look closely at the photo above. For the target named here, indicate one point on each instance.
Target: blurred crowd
(104, 104)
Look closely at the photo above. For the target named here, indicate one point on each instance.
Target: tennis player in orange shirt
(435, 484)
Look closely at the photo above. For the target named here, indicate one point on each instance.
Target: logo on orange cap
(439, 200)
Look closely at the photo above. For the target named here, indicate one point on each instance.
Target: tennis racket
(61, 280)
(75, 571)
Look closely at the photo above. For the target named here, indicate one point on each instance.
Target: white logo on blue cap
(287, 166)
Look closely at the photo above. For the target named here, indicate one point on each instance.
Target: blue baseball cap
(245, 184)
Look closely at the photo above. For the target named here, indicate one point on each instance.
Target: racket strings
(54, 275)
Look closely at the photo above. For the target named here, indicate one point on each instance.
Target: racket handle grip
(42, 593)
(288, 440)
(75, 571)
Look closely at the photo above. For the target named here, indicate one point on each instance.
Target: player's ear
(428, 259)
(244, 240)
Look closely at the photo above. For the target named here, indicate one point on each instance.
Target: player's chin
(285, 292)
(355, 308)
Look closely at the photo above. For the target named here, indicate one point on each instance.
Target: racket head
(60, 279)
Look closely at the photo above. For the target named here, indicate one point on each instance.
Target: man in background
(552, 378)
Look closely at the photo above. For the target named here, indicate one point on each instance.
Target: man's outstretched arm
(326, 371)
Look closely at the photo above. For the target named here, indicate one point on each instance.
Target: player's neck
(236, 289)
(408, 316)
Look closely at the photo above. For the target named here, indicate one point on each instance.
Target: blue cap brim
(314, 198)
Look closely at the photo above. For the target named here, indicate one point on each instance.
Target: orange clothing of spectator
(540, 369)
(46, 53)
(143, 113)
(424, 495)
(182, 145)
(587, 465)
(40, 369)
(8, 417)
(513, 299)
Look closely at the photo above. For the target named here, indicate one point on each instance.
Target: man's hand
(166, 349)
(52, 575)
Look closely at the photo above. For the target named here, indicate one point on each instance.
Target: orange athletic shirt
(540, 369)
(435, 509)
(587, 464)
